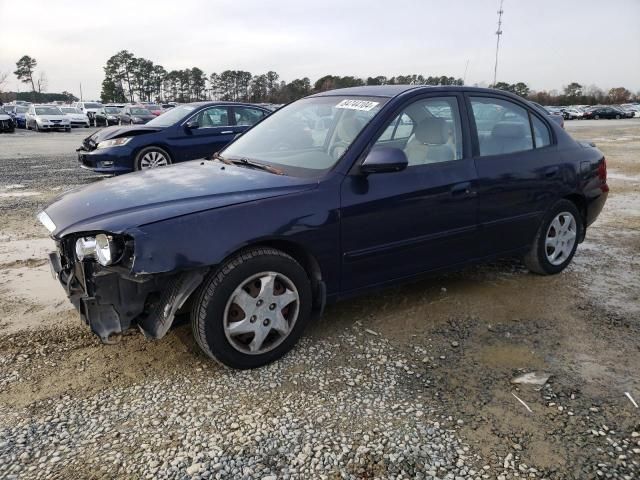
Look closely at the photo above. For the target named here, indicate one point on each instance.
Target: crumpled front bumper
(110, 303)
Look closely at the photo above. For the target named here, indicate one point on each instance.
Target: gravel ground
(414, 382)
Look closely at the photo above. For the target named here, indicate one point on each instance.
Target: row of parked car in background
(42, 117)
(596, 112)
(21, 114)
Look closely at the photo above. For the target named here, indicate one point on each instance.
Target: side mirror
(384, 160)
(192, 125)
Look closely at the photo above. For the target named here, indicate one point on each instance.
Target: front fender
(204, 239)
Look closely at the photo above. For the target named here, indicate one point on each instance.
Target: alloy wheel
(153, 159)
(561, 238)
(261, 313)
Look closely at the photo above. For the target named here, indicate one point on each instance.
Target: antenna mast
(498, 34)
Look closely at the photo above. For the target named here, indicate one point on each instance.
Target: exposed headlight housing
(46, 221)
(106, 250)
(103, 247)
(116, 142)
(85, 248)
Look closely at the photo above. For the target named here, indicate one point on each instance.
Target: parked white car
(89, 109)
(46, 117)
(75, 116)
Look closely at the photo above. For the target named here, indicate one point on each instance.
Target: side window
(540, 132)
(247, 116)
(502, 126)
(213, 117)
(428, 131)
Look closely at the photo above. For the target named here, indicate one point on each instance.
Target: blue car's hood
(136, 199)
(120, 131)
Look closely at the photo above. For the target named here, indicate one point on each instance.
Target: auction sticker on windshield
(364, 105)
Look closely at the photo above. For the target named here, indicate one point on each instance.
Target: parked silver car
(46, 117)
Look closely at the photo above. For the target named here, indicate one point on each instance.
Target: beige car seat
(430, 143)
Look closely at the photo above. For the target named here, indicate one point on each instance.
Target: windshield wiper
(253, 164)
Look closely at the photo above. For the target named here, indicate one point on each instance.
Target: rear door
(519, 171)
(215, 130)
(395, 225)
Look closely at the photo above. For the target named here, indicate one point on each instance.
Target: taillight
(602, 170)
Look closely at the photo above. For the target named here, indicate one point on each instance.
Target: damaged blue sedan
(331, 196)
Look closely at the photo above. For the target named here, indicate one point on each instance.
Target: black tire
(207, 315)
(68, 130)
(536, 259)
(617, 117)
(37, 127)
(137, 161)
(597, 117)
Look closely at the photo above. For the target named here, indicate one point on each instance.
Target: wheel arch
(581, 204)
(301, 255)
(156, 145)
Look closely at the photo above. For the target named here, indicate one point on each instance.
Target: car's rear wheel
(617, 117)
(597, 117)
(152, 157)
(253, 310)
(556, 240)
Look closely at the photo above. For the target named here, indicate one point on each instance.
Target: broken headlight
(116, 142)
(104, 248)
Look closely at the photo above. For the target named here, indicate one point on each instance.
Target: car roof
(395, 90)
(202, 104)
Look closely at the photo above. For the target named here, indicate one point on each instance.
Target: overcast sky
(546, 43)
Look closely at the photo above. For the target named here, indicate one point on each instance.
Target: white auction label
(364, 105)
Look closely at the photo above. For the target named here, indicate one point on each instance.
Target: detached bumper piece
(110, 303)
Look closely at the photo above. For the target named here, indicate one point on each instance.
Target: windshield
(21, 109)
(140, 111)
(69, 110)
(92, 105)
(111, 110)
(307, 137)
(153, 107)
(48, 111)
(172, 116)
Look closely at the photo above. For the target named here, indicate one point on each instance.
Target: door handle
(551, 172)
(226, 132)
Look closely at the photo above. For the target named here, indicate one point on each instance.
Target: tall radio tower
(498, 34)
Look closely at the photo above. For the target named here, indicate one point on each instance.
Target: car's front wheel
(253, 309)
(152, 157)
(556, 240)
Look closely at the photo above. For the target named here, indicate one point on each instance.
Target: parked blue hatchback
(333, 195)
(187, 132)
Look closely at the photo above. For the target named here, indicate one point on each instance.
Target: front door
(395, 225)
(215, 130)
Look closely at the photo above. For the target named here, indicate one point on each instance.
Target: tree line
(129, 78)
(572, 94)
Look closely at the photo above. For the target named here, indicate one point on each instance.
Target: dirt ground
(469, 332)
